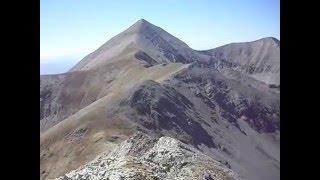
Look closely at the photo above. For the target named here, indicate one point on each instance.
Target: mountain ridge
(145, 80)
(161, 47)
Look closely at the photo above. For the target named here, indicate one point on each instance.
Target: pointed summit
(153, 40)
(142, 21)
(140, 26)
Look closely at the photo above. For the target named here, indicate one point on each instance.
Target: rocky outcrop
(143, 157)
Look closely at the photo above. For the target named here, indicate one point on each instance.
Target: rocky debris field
(143, 157)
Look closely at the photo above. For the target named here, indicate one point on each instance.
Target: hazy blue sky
(70, 29)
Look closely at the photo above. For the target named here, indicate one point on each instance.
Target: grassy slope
(85, 134)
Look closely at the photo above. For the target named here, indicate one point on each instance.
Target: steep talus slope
(260, 58)
(223, 104)
(254, 102)
(144, 157)
(234, 121)
(50, 86)
(160, 107)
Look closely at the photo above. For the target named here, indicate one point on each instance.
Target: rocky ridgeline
(144, 157)
(224, 101)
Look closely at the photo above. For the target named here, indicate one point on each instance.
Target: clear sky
(71, 29)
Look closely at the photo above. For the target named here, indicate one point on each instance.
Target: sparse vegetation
(109, 97)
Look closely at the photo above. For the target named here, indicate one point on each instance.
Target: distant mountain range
(147, 106)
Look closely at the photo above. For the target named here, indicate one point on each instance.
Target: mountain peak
(142, 21)
(140, 25)
(271, 39)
